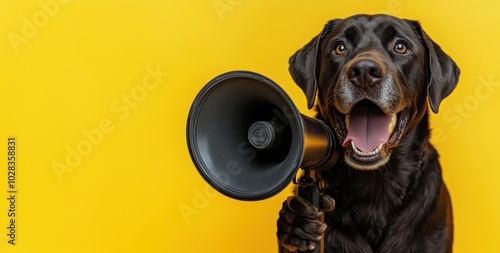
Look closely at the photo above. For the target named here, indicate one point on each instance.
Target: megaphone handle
(309, 190)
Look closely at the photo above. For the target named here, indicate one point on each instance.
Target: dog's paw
(299, 227)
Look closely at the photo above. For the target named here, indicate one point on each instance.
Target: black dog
(373, 77)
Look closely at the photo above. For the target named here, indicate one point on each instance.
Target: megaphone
(248, 140)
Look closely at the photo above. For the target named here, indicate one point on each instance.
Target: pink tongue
(368, 127)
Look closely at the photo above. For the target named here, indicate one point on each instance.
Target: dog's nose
(365, 73)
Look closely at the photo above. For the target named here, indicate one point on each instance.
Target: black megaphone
(248, 140)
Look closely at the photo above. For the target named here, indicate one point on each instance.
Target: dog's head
(373, 76)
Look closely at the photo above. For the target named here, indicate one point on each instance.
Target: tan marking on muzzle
(371, 55)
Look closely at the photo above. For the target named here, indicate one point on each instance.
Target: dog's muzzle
(370, 124)
(366, 71)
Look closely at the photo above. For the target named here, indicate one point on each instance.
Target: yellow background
(72, 73)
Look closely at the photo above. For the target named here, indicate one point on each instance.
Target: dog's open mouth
(369, 135)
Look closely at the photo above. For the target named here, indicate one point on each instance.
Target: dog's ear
(304, 64)
(441, 71)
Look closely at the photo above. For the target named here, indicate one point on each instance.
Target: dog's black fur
(396, 205)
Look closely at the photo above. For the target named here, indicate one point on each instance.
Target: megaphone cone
(247, 139)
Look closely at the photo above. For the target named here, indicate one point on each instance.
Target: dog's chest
(367, 204)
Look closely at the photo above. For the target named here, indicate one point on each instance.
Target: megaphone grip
(309, 190)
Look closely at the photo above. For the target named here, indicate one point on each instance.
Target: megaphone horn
(247, 139)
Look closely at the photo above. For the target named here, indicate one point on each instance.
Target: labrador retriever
(372, 78)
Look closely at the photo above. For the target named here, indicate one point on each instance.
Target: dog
(372, 78)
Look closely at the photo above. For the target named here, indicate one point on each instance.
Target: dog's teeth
(379, 148)
(361, 153)
(392, 125)
(353, 146)
(347, 117)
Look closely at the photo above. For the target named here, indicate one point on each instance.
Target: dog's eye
(340, 49)
(400, 48)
